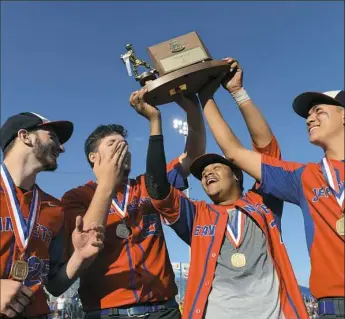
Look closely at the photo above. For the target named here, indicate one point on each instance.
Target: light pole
(182, 128)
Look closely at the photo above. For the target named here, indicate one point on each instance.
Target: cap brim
(63, 129)
(305, 101)
(201, 162)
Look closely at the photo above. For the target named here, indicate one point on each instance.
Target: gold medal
(238, 260)
(19, 270)
(340, 226)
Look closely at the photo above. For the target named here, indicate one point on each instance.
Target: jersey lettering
(38, 271)
(205, 230)
(151, 225)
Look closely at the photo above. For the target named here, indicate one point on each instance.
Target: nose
(207, 174)
(310, 120)
(61, 148)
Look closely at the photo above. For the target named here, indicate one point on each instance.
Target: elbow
(234, 154)
(55, 292)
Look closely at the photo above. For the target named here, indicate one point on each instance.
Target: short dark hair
(10, 145)
(8, 148)
(102, 131)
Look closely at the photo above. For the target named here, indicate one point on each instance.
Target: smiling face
(219, 182)
(46, 148)
(324, 123)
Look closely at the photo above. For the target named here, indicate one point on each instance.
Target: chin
(315, 140)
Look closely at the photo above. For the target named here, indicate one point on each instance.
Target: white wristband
(240, 96)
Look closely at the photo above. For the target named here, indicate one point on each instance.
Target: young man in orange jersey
(239, 265)
(31, 220)
(318, 188)
(133, 275)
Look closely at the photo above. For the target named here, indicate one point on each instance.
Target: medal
(122, 207)
(22, 227)
(19, 270)
(340, 226)
(238, 260)
(235, 233)
(122, 231)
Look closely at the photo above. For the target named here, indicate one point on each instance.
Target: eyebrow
(313, 108)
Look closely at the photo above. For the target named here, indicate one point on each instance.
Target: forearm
(224, 136)
(156, 180)
(156, 126)
(196, 138)
(67, 275)
(97, 212)
(258, 127)
(230, 145)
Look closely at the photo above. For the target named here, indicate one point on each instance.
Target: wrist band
(240, 96)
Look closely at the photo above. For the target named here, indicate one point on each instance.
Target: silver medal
(122, 231)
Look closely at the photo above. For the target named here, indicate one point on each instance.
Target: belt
(132, 311)
(331, 306)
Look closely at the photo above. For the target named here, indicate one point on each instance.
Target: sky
(61, 59)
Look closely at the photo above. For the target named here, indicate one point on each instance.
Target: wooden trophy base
(189, 79)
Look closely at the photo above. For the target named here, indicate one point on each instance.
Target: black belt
(331, 306)
(133, 310)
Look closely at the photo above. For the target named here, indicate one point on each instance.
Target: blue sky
(61, 59)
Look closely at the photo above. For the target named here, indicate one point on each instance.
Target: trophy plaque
(182, 64)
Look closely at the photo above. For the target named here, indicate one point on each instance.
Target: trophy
(182, 64)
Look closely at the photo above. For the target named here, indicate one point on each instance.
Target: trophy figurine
(182, 64)
(129, 58)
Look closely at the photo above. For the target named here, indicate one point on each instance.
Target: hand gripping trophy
(129, 58)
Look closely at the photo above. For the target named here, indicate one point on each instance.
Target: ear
(92, 157)
(25, 137)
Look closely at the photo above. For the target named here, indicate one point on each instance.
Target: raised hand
(209, 89)
(109, 164)
(87, 242)
(136, 100)
(233, 80)
(14, 297)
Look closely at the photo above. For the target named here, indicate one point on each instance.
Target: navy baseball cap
(305, 101)
(202, 161)
(29, 120)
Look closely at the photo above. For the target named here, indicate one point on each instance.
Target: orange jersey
(132, 270)
(205, 225)
(43, 253)
(306, 185)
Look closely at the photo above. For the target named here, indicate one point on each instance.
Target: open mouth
(313, 128)
(211, 180)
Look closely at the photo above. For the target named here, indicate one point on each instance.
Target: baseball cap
(29, 120)
(202, 161)
(305, 101)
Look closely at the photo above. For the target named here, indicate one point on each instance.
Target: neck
(230, 199)
(22, 172)
(335, 149)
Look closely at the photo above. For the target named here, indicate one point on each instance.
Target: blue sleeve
(183, 227)
(176, 178)
(56, 253)
(281, 179)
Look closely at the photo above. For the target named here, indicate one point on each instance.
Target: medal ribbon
(235, 232)
(122, 207)
(331, 178)
(22, 228)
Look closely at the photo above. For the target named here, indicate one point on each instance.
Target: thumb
(79, 224)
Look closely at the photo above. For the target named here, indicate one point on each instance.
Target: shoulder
(45, 197)
(83, 193)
